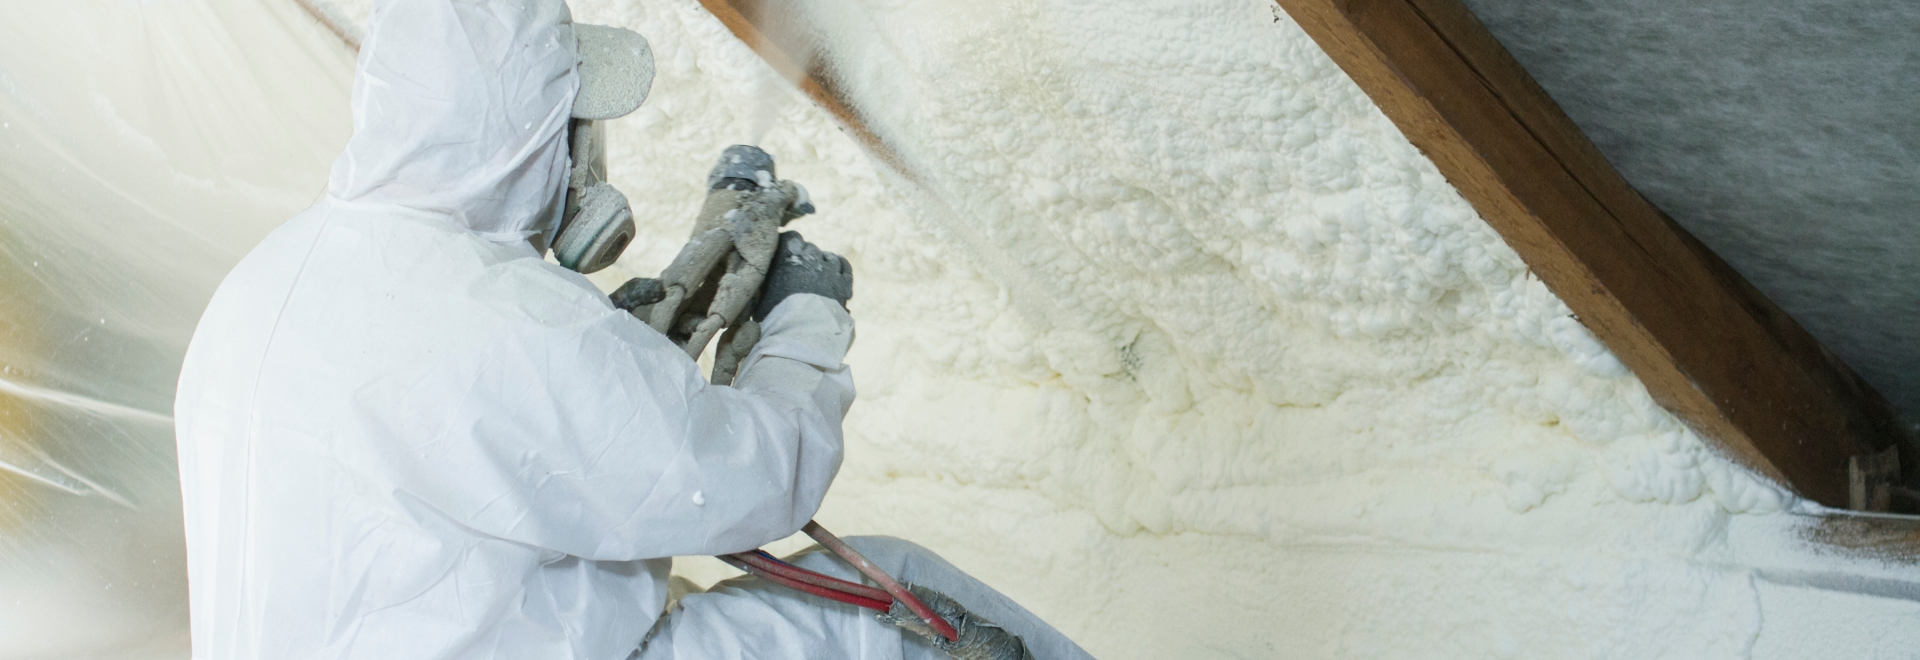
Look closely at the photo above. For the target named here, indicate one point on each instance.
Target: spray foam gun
(713, 283)
(711, 287)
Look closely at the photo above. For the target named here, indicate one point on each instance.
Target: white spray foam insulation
(1170, 335)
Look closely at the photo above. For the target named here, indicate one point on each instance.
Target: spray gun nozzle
(741, 167)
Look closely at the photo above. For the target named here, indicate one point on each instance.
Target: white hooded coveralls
(402, 434)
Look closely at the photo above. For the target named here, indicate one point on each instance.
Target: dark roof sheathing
(1785, 135)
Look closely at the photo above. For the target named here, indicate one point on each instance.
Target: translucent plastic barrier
(144, 147)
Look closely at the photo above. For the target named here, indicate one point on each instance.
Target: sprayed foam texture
(1169, 334)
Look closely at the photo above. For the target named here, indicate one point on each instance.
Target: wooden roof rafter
(1708, 345)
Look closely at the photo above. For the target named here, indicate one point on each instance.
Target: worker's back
(347, 430)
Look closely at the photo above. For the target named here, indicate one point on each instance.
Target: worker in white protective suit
(403, 434)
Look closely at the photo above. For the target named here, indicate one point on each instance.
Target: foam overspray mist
(788, 35)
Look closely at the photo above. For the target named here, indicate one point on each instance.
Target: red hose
(772, 565)
(823, 592)
(873, 572)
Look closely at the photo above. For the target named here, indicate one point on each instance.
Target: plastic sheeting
(144, 147)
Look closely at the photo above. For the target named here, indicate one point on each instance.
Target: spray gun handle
(638, 293)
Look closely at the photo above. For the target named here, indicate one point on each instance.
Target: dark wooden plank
(1893, 538)
(1708, 346)
(781, 36)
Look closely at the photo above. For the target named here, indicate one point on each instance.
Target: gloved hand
(979, 638)
(800, 267)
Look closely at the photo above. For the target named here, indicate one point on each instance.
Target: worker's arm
(759, 455)
(577, 428)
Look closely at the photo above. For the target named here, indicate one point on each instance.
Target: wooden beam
(1708, 346)
(787, 43)
(1887, 538)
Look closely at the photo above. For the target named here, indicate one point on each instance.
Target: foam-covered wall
(1163, 330)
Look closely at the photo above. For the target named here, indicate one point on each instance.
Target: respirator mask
(616, 71)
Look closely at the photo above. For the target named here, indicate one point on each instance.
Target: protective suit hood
(460, 108)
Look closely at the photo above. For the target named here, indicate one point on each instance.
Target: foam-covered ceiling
(1784, 134)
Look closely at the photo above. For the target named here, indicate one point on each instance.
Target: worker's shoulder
(380, 281)
(363, 253)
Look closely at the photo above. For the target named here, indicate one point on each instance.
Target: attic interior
(1409, 328)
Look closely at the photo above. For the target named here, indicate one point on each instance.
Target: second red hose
(814, 589)
(872, 571)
